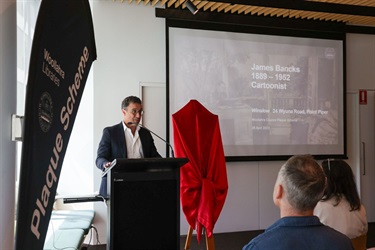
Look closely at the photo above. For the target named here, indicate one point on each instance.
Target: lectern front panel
(144, 207)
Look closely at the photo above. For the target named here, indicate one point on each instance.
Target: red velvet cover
(204, 183)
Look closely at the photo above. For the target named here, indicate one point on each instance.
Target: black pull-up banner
(62, 53)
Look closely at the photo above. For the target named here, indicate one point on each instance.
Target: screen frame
(291, 31)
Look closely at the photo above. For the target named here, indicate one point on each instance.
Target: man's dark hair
(130, 99)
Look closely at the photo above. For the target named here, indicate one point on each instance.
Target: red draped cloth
(204, 183)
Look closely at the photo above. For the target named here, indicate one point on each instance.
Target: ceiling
(350, 12)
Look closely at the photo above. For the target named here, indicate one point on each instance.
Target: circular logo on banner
(45, 113)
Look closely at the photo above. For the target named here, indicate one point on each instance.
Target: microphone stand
(140, 125)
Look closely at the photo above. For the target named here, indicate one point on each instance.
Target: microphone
(140, 125)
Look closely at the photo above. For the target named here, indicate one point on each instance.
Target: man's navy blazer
(113, 145)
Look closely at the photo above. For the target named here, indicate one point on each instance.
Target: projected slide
(275, 95)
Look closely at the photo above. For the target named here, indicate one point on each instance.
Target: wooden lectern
(144, 203)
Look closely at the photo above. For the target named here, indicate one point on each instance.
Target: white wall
(361, 75)
(8, 93)
(360, 61)
(131, 49)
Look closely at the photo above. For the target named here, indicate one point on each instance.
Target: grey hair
(304, 182)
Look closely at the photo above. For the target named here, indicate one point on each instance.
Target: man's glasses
(135, 112)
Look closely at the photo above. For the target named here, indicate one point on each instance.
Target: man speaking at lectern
(125, 140)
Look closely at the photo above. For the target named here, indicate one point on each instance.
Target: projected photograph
(274, 95)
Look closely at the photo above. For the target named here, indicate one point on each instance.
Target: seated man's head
(299, 186)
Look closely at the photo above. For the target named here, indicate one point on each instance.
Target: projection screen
(275, 95)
